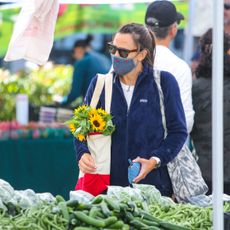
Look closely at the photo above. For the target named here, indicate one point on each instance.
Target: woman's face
(125, 41)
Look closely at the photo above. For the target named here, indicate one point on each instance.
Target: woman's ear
(141, 56)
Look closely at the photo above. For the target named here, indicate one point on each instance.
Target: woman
(135, 108)
(202, 102)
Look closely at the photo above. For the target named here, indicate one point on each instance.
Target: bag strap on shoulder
(157, 78)
(97, 91)
(107, 81)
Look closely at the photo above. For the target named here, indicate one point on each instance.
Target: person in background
(227, 16)
(196, 56)
(88, 63)
(135, 108)
(162, 18)
(202, 101)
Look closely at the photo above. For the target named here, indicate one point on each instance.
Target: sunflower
(102, 112)
(80, 137)
(97, 123)
(93, 112)
(80, 109)
(72, 128)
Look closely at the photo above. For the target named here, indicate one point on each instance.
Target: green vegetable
(138, 224)
(72, 203)
(59, 199)
(89, 220)
(105, 210)
(118, 225)
(112, 204)
(170, 226)
(149, 217)
(64, 210)
(110, 220)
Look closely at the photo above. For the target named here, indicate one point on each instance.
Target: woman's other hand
(146, 167)
(87, 164)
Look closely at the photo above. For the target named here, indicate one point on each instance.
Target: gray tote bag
(185, 173)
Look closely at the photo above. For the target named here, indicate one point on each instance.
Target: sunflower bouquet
(87, 120)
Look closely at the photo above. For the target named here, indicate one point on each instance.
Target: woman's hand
(146, 167)
(87, 164)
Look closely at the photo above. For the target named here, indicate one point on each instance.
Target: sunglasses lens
(123, 53)
(227, 6)
(112, 49)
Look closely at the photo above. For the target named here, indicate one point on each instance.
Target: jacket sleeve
(77, 82)
(175, 120)
(81, 146)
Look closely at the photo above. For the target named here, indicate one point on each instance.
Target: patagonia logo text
(143, 100)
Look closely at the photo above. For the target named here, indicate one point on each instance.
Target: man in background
(87, 64)
(227, 16)
(162, 18)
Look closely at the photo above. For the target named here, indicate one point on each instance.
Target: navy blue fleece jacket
(139, 130)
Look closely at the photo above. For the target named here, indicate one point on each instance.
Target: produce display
(40, 85)
(34, 130)
(141, 207)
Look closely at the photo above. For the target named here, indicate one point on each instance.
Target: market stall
(42, 159)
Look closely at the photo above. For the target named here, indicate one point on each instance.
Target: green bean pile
(35, 218)
(187, 215)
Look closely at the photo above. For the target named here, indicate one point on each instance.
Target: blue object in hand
(133, 170)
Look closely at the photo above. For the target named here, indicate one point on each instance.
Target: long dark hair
(204, 68)
(143, 38)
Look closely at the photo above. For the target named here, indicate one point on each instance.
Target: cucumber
(105, 210)
(93, 211)
(64, 210)
(147, 216)
(98, 199)
(110, 220)
(170, 226)
(118, 225)
(59, 199)
(138, 224)
(72, 203)
(89, 220)
(151, 228)
(84, 206)
(112, 204)
(85, 228)
(148, 222)
(129, 216)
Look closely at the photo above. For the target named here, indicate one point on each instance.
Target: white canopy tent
(217, 94)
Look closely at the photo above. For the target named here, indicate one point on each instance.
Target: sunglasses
(227, 6)
(124, 53)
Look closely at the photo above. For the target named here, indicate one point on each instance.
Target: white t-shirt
(128, 92)
(166, 60)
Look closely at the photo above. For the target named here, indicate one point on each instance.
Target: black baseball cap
(162, 14)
